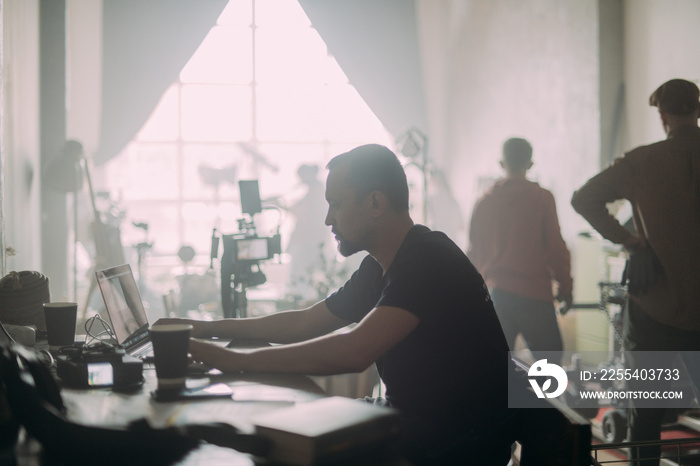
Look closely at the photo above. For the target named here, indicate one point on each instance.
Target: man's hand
(212, 355)
(641, 270)
(565, 301)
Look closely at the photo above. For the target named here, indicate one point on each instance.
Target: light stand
(65, 174)
(141, 249)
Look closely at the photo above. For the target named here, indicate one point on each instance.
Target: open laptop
(125, 310)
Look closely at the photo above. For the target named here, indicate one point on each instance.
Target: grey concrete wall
(20, 137)
(661, 43)
(508, 68)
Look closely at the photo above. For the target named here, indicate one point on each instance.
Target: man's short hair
(517, 154)
(677, 97)
(373, 167)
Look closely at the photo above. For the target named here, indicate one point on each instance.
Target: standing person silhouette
(516, 244)
(310, 237)
(662, 182)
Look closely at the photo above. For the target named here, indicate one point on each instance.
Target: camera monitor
(252, 249)
(100, 374)
(250, 196)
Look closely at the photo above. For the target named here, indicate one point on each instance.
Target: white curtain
(376, 44)
(145, 45)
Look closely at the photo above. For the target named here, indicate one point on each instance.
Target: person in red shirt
(516, 244)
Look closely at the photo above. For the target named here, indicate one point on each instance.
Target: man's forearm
(275, 328)
(327, 355)
(333, 353)
(280, 327)
(590, 202)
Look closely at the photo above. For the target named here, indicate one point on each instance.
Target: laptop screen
(124, 305)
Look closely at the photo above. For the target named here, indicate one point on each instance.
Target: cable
(7, 334)
(98, 339)
(98, 342)
(96, 349)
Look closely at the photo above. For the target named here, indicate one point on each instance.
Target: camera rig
(243, 253)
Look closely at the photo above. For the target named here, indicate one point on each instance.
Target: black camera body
(243, 252)
(240, 267)
(108, 368)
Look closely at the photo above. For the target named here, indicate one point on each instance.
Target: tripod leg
(236, 311)
(243, 303)
(91, 289)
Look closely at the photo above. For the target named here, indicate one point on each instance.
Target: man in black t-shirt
(450, 372)
(423, 314)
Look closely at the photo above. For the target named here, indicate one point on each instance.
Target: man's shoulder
(369, 266)
(487, 194)
(532, 190)
(546, 193)
(503, 189)
(647, 158)
(646, 150)
(423, 234)
(532, 186)
(516, 186)
(641, 158)
(429, 246)
(686, 135)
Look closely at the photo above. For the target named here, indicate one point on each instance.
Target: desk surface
(253, 394)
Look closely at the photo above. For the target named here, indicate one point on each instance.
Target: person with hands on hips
(662, 183)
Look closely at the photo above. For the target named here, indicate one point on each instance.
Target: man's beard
(345, 248)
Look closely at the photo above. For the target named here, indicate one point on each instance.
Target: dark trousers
(642, 333)
(534, 319)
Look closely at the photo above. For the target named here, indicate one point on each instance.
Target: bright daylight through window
(262, 99)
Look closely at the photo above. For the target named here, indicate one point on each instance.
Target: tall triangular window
(261, 97)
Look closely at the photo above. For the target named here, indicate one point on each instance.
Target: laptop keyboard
(143, 352)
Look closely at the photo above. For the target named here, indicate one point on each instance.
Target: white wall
(20, 129)
(549, 71)
(508, 68)
(662, 42)
(84, 57)
(20, 132)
